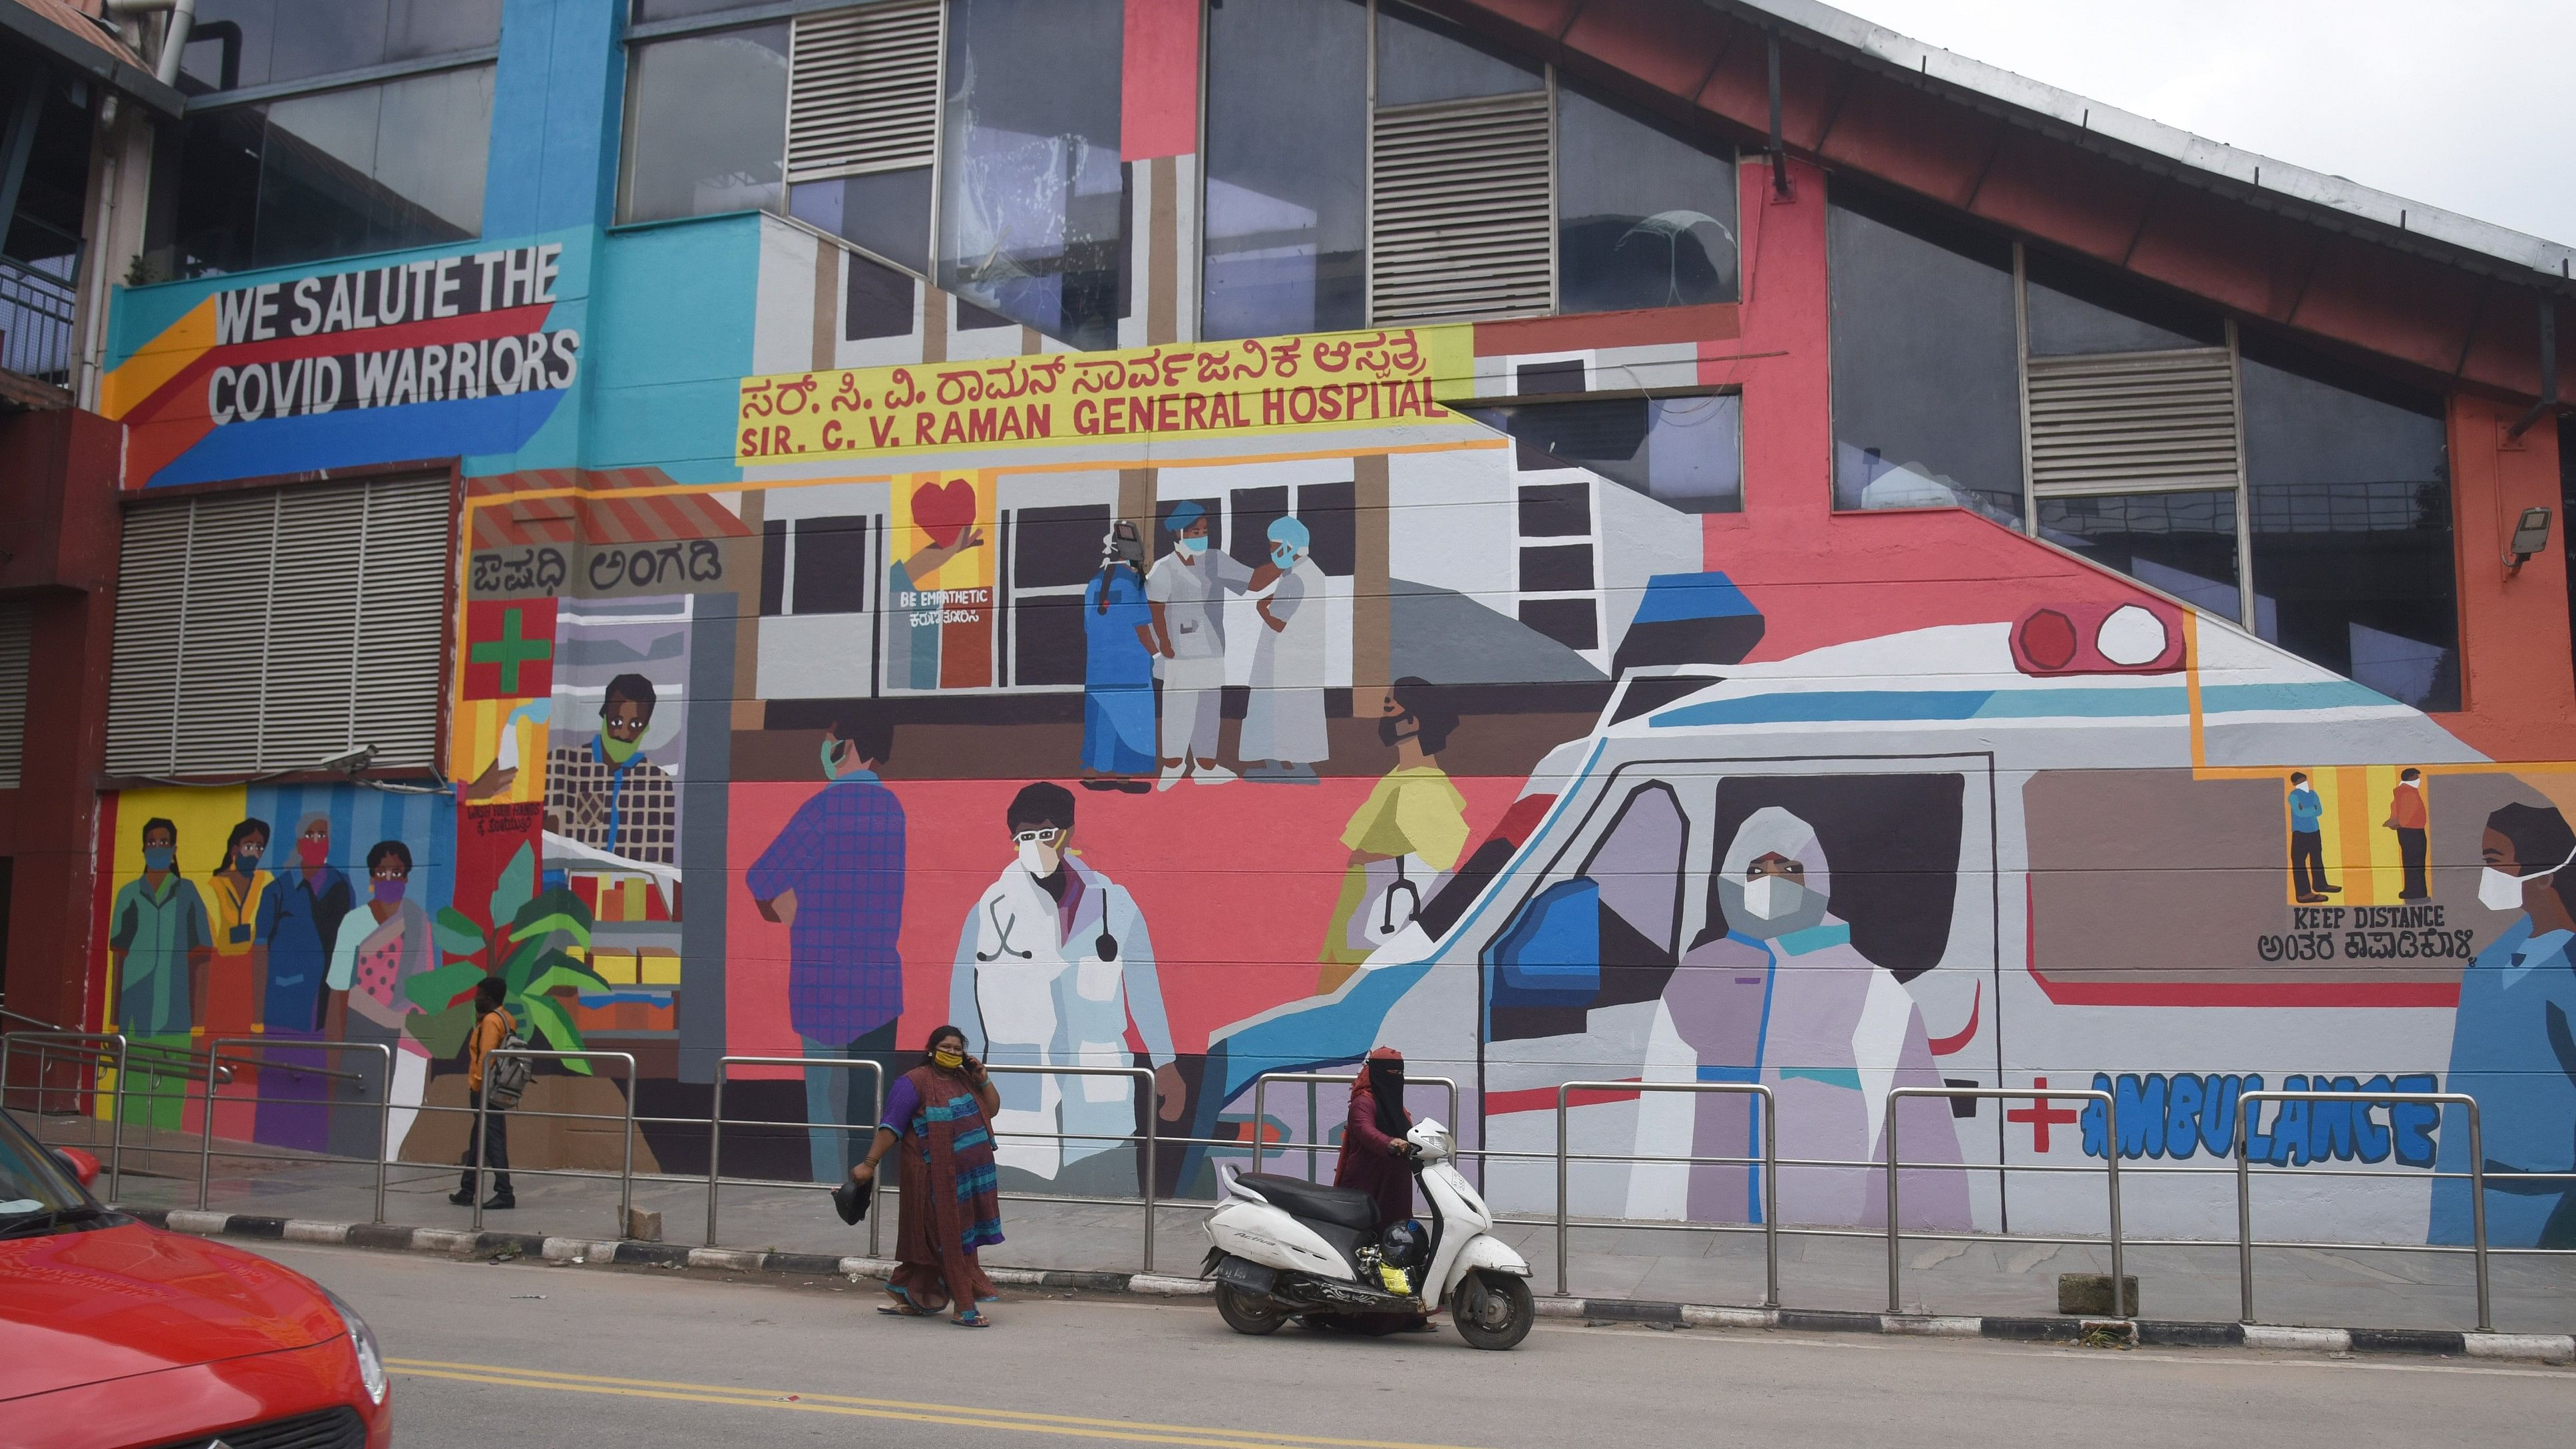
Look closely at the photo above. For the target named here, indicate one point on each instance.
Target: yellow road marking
(1133, 1431)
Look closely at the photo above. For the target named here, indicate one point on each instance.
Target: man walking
(2406, 816)
(834, 877)
(493, 1025)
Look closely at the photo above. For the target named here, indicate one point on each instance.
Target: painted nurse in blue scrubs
(2514, 1045)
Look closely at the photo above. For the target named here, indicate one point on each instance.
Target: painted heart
(944, 512)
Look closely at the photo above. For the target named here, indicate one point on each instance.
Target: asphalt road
(524, 1354)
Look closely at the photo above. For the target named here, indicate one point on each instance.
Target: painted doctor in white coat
(1052, 965)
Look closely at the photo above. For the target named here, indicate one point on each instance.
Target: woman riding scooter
(1375, 1158)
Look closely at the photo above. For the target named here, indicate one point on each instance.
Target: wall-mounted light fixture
(2530, 536)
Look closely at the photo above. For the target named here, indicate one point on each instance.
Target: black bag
(851, 1200)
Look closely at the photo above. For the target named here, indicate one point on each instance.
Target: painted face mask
(1040, 857)
(1192, 546)
(1391, 728)
(618, 751)
(831, 758)
(1284, 556)
(949, 1058)
(313, 852)
(389, 889)
(159, 857)
(1770, 897)
(246, 861)
(2498, 891)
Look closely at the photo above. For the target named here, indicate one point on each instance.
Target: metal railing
(477, 1152)
(1768, 1164)
(36, 309)
(2111, 1171)
(2477, 1176)
(716, 1126)
(1260, 1085)
(116, 1094)
(1144, 1080)
(206, 1153)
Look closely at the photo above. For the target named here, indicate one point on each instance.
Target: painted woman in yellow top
(1408, 833)
(238, 891)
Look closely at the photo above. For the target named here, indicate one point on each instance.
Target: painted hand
(1170, 1095)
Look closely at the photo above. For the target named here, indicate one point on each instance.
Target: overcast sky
(2469, 105)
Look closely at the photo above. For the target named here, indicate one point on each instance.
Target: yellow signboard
(1388, 377)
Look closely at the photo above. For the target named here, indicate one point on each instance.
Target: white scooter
(1288, 1248)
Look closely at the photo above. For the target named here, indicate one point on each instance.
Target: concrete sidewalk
(2339, 1288)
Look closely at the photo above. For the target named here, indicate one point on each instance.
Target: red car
(115, 1334)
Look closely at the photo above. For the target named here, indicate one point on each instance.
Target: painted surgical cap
(1774, 831)
(1290, 532)
(1183, 515)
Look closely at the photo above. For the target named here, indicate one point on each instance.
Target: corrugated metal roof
(69, 30)
(2134, 137)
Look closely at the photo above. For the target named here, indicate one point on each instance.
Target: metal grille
(16, 620)
(863, 90)
(1462, 210)
(334, 1428)
(272, 630)
(2133, 422)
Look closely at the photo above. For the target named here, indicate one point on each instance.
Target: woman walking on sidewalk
(938, 1114)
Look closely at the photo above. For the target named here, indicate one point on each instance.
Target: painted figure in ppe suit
(1052, 965)
(1782, 998)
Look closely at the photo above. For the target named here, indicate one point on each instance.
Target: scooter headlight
(371, 1364)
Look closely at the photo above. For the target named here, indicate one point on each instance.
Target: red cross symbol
(2041, 1117)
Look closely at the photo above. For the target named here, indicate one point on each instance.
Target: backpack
(510, 1074)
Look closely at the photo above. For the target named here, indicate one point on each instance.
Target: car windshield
(32, 1180)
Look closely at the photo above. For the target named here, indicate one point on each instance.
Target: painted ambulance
(2051, 852)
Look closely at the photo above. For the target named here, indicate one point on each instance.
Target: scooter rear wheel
(1492, 1310)
(1246, 1314)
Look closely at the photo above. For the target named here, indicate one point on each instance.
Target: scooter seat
(1343, 1206)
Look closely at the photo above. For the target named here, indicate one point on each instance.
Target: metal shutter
(1462, 214)
(16, 625)
(2133, 422)
(863, 90)
(272, 630)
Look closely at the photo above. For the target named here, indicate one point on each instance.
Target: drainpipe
(2549, 400)
(174, 36)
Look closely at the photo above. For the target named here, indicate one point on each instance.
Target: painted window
(1927, 388)
(704, 119)
(333, 173)
(1032, 195)
(1608, 936)
(2350, 497)
(1055, 552)
(815, 565)
(273, 42)
(1645, 216)
(1286, 204)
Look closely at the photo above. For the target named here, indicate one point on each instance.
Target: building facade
(1641, 541)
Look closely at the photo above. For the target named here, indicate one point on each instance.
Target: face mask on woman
(159, 857)
(1193, 546)
(1769, 897)
(948, 1058)
(389, 888)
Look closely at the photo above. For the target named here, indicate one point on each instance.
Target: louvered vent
(1461, 214)
(863, 90)
(2133, 422)
(273, 630)
(16, 621)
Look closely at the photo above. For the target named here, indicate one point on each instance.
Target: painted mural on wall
(1163, 725)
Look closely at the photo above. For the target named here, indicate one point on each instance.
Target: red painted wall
(1159, 87)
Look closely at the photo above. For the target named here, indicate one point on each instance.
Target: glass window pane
(244, 27)
(1287, 163)
(439, 27)
(2351, 511)
(1421, 57)
(319, 37)
(218, 190)
(2075, 310)
(2182, 543)
(888, 212)
(1033, 195)
(430, 152)
(1685, 452)
(1644, 217)
(706, 124)
(317, 194)
(646, 10)
(1927, 370)
(285, 40)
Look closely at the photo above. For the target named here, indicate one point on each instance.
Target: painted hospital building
(1640, 542)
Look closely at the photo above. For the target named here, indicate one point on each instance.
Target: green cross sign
(511, 650)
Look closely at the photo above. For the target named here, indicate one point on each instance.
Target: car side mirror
(84, 1165)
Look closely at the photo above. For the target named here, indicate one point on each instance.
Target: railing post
(626, 1165)
(1563, 1273)
(1893, 1285)
(1260, 1085)
(2244, 1209)
(1153, 1116)
(715, 1150)
(479, 1150)
(205, 1138)
(115, 1121)
(384, 1125)
(2111, 1154)
(2478, 1213)
(1770, 1197)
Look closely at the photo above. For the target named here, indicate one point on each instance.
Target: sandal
(900, 1310)
(971, 1318)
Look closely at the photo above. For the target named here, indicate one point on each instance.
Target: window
(814, 565)
(1054, 554)
(1286, 205)
(17, 626)
(271, 42)
(44, 165)
(1645, 217)
(2182, 543)
(863, 126)
(1609, 936)
(272, 630)
(705, 118)
(1927, 387)
(1032, 194)
(2350, 497)
(333, 173)
(1685, 452)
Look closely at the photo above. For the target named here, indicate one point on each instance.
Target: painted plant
(532, 953)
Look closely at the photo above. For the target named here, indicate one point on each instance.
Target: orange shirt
(2406, 807)
(490, 1030)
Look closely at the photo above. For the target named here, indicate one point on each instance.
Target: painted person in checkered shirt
(834, 877)
(605, 794)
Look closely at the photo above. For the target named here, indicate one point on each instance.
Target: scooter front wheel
(1246, 1314)
(1492, 1310)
